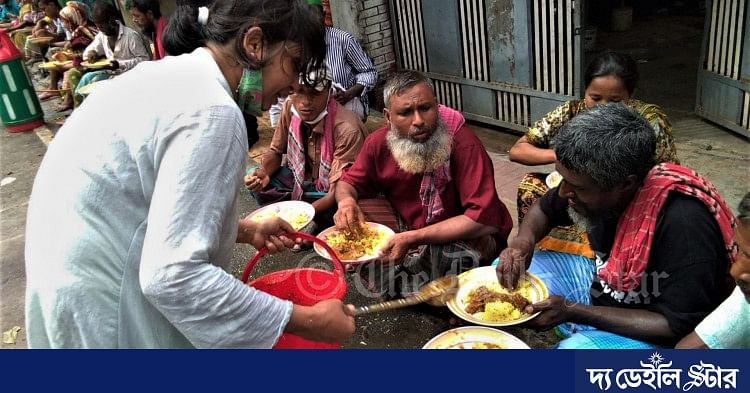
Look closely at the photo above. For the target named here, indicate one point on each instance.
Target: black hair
(280, 20)
(144, 6)
(105, 11)
(41, 2)
(318, 8)
(615, 64)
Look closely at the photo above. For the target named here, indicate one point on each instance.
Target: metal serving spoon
(436, 293)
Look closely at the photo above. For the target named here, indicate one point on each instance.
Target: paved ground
(668, 68)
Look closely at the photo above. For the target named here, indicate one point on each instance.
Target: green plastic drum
(20, 110)
(19, 106)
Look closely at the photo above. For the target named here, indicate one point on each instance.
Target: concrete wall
(369, 21)
(344, 14)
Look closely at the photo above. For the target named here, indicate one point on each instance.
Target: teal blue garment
(15, 6)
(728, 327)
(10, 7)
(600, 339)
(91, 77)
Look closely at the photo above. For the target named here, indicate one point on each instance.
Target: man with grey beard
(439, 180)
(661, 233)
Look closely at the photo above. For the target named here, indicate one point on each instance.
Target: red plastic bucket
(302, 286)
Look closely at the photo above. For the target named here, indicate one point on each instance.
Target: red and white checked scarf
(295, 153)
(635, 230)
(434, 182)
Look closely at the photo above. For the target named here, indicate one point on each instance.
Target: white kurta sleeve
(199, 163)
(96, 46)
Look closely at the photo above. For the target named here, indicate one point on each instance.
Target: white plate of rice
(366, 249)
(297, 213)
(496, 313)
(475, 337)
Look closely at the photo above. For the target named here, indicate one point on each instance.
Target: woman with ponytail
(133, 215)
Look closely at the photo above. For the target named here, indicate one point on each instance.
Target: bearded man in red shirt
(439, 180)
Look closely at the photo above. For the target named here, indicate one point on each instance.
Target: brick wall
(377, 35)
(369, 22)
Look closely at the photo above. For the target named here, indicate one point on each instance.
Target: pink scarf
(296, 153)
(434, 182)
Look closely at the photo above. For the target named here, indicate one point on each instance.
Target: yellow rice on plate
(351, 246)
(497, 311)
(295, 218)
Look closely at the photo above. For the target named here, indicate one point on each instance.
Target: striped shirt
(348, 62)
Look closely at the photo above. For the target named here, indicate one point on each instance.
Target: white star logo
(656, 359)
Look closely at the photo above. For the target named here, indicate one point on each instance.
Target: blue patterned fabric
(566, 275)
(599, 339)
(570, 276)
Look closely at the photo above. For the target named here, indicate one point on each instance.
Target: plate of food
(63, 55)
(41, 40)
(553, 179)
(355, 247)
(482, 300)
(97, 65)
(297, 213)
(475, 337)
(54, 64)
